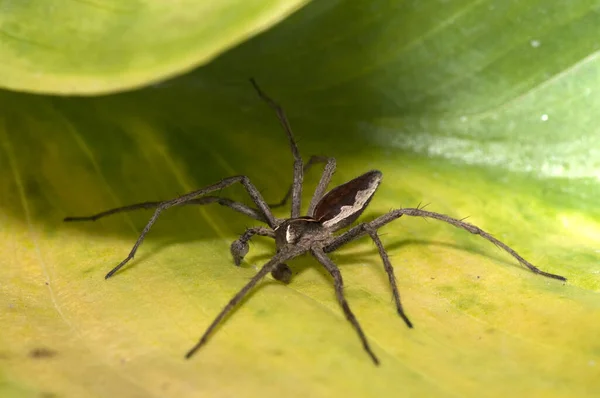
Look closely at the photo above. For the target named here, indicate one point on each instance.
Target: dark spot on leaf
(42, 353)
(261, 313)
(277, 353)
(88, 271)
(447, 289)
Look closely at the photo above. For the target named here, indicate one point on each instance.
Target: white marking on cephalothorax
(359, 201)
(289, 235)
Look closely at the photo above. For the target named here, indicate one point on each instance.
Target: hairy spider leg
(245, 181)
(362, 229)
(338, 283)
(237, 206)
(328, 171)
(298, 165)
(307, 166)
(389, 269)
(293, 251)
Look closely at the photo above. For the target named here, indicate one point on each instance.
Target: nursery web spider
(327, 213)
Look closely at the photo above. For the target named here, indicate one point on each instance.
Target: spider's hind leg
(390, 272)
(360, 230)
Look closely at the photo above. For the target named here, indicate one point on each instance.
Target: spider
(314, 233)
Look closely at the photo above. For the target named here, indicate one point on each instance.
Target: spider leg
(322, 186)
(298, 165)
(311, 162)
(390, 271)
(239, 247)
(268, 267)
(239, 207)
(245, 181)
(339, 292)
(361, 230)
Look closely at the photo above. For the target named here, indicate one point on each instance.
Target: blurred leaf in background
(481, 108)
(102, 46)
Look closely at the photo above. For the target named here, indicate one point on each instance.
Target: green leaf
(100, 46)
(447, 99)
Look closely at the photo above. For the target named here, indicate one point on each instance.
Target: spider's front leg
(263, 213)
(325, 178)
(239, 248)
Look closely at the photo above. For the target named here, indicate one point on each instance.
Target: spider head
(299, 231)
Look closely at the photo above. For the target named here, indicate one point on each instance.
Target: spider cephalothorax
(313, 233)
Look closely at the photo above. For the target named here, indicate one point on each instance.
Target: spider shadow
(342, 259)
(164, 244)
(166, 232)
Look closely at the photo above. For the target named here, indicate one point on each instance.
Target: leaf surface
(447, 99)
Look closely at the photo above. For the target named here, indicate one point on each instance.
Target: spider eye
(342, 205)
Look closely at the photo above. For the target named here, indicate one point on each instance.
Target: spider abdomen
(342, 205)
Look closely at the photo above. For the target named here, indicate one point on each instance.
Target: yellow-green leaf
(481, 109)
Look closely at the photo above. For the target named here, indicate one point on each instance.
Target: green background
(483, 109)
